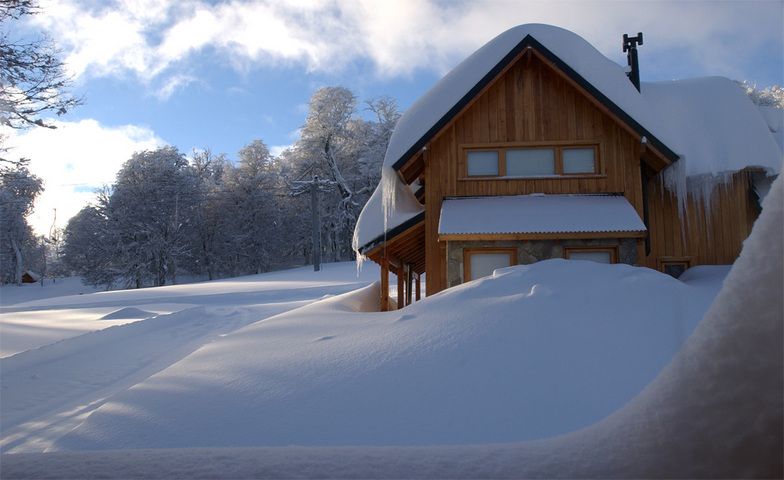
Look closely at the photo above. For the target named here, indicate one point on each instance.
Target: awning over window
(539, 216)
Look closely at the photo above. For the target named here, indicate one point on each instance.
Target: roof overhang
(404, 243)
(539, 217)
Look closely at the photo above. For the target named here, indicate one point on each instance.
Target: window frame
(663, 262)
(557, 147)
(467, 252)
(612, 249)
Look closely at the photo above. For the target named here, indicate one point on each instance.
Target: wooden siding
(529, 103)
(707, 235)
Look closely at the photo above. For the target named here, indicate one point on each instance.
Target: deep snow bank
(532, 352)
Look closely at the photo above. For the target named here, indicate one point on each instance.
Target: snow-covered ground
(561, 368)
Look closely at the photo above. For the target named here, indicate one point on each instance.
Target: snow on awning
(539, 214)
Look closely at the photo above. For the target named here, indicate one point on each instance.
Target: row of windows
(530, 162)
(480, 263)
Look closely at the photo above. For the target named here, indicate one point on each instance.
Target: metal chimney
(630, 46)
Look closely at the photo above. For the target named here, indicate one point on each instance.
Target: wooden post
(409, 281)
(401, 287)
(384, 284)
(418, 287)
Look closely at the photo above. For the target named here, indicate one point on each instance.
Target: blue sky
(219, 74)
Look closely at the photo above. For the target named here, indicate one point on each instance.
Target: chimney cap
(631, 42)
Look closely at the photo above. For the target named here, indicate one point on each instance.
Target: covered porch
(402, 253)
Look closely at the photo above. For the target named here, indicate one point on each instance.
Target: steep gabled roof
(602, 78)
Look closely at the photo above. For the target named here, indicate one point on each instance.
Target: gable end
(530, 42)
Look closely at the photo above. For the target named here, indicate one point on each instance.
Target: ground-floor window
(471, 259)
(481, 262)
(673, 266)
(603, 254)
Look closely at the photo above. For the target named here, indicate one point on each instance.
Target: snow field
(341, 377)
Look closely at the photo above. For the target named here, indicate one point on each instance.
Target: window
(674, 266)
(530, 162)
(593, 254)
(516, 161)
(482, 262)
(481, 163)
(578, 160)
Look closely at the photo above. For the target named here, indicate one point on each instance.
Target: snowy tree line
(167, 215)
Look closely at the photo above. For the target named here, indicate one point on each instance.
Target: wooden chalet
(539, 147)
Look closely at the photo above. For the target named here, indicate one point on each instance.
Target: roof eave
(385, 237)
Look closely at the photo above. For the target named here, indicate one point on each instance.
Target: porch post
(401, 287)
(409, 281)
(384, 284)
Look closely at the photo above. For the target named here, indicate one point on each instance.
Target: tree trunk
(18, 255)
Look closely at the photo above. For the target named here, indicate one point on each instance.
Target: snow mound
(128, 313)
(507, 358)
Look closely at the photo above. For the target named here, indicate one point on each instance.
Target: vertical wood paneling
(713, 235)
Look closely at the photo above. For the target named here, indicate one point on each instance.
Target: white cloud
(174, 84)
(153, 37)
(73, 160)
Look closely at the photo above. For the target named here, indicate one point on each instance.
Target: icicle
(674, 180)
(389, 182)
(389, 185)
(360, 260)
(696, 188)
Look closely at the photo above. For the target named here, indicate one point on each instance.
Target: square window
(674, 269)
(674, 266)
(482, 163)
(578, 160)
(483, 262)
(530, 162)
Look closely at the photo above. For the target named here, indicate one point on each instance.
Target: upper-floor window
(514, 161)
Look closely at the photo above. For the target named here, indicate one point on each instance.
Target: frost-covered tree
(92, 246)
(250, 189)
(18, 191)
(210, 221)
(765, 97)
(338, 144)
(32, 77)
(153, 203)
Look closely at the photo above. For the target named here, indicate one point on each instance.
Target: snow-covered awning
(539, 214)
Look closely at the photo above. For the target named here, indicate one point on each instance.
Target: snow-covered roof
(713, 125)
(707, 124)
(538, 214)
(443, 100)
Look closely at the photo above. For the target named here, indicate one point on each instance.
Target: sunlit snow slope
(532, 352)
